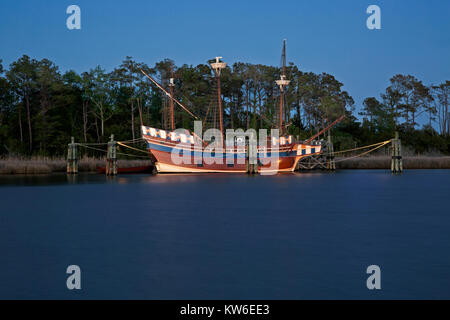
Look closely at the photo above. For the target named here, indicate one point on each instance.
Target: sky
(322, 36)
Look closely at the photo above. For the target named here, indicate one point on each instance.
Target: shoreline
(384, 162)
(13, 166)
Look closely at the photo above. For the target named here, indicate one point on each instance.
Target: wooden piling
(111, 158)
(252, 157)
(72, 157)
(330, 163)
(397, 161)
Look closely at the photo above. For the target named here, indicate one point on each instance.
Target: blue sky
(323, 35)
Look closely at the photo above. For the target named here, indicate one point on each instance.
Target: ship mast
(217, 67)
(171, 86)
(282, 83)
(167, 93)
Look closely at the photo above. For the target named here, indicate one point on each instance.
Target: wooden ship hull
(191, 158)
(173, 152)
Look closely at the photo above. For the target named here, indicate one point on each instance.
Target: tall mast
(167, 93)
(282, 83)
(171, 86)
(284, 57)
(217, 67)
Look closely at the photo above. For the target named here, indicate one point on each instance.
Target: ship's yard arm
(326, 129)
(168, 94)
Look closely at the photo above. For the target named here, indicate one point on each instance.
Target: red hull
(165, 164)
(175, 153)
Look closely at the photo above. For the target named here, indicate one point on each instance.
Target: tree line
(42, 107)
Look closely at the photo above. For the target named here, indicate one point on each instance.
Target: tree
(442, 99)
(391, 99)
(100, 95)
(6, 103)
(128, 75)
(370, 107)
(47, 81)
(22, 75)
(411, 98)
(40, 108)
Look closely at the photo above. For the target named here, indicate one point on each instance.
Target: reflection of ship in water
(198, 157)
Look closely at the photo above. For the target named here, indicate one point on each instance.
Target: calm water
(226, 236)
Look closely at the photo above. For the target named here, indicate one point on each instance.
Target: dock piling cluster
(252, 157)
(397, 160)
(72, 157)
(330, 163)
(111, 158)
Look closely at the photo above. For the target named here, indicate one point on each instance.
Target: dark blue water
(227, 236)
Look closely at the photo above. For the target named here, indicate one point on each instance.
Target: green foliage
(41, 108)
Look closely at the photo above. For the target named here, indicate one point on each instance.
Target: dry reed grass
(41, 165)
(384, 162)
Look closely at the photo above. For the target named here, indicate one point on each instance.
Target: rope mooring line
(381, 144)
(93, 144)
(132, 155)
(364, 153)
(121, 153)
(132, 148)
(89, 147)
(364, 147)
(137, 140)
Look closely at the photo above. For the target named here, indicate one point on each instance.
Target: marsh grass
(384, 162)
(43, 165)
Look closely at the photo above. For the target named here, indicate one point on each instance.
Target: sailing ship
(196, 153)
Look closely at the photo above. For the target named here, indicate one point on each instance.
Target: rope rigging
(364, 147)
(169, 95)
(376, 147)
(381, 144)
(91, 146)
(121, 143)
(124, 145)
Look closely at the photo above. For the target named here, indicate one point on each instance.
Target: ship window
(200, 165)
(303, 151)
(230, 165)
(313, 150)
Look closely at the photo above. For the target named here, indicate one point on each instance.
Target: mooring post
(111, 158)
(331, 164)
(69, 158)
(297, 166)
(252, 157)
(72, 157)
(397, 160)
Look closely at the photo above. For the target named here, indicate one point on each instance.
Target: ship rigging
(163, 144)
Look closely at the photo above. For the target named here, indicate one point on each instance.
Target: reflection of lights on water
(122, 180)
(174, 178)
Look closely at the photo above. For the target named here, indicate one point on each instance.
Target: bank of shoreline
(13, 166)
(384, 162)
